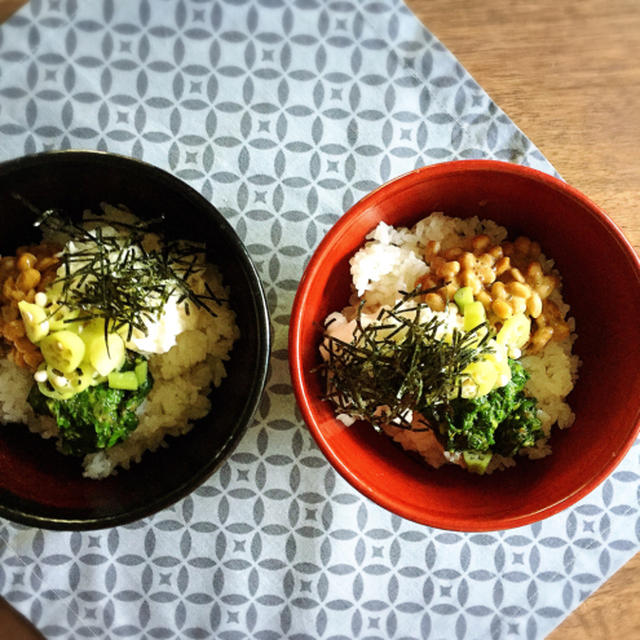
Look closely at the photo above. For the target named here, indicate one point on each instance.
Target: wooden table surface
(568, 73)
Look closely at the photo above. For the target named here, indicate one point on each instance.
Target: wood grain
(567, 73)
(7, 7)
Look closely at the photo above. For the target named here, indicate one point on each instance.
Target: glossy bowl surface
(601, 275)
(41, 487)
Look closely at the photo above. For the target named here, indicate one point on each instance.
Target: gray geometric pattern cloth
(283, 113)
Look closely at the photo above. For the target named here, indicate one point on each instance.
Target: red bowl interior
(601, 274)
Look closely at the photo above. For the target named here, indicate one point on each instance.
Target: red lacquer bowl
(601, 275)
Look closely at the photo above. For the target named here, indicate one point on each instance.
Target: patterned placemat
(283, 114)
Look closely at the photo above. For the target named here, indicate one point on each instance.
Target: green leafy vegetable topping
(503, 421)
(96, 418)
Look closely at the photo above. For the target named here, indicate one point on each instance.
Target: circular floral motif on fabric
(283, 114)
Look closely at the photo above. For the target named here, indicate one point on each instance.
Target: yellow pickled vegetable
(35, 320)
(484, 374)
(107, 355)
(501, 363)
(474, 315)
(76, 381)
(63, 350)
(91, 329)
(515, 331)
(46, 389)
(61, 319)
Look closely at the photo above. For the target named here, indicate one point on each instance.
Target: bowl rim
(315, 266)
(254, 394)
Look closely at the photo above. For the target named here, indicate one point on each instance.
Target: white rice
(183, 377)
(391, 262)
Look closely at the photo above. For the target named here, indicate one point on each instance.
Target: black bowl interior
(38, 485)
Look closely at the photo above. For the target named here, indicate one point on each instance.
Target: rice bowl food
(574, 232)
(456, 343)
(112, 337)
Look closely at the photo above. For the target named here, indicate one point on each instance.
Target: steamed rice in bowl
(184, 344)
(403, 278)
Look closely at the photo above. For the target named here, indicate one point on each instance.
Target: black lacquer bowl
(38, 485)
